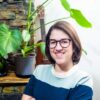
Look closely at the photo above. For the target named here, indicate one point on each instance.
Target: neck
(63, 68)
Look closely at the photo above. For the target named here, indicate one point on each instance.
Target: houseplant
(25, 60)
(19, 43)
(10, 41)
(23, 45)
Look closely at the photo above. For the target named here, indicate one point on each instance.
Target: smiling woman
(62, 79)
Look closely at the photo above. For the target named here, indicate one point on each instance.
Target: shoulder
(84, 78)
(41, 69)
(82, 73)
(83, 89)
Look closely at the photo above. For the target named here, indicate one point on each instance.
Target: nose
(58, 47)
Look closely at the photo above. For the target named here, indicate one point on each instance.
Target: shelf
(11, 78)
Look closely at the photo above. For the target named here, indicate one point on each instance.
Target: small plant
(10, 41)
(27, 47)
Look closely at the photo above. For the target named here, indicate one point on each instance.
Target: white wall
(89, 37)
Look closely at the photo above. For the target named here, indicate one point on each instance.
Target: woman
(62, 79)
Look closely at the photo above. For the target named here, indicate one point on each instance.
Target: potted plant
(19, 43)
(26, 58)
(23, 45)
(10, 41)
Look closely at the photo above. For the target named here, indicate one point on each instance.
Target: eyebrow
(61, 39)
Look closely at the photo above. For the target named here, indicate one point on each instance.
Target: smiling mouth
(59, 55)
(59, 52)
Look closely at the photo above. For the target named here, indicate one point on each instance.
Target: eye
(64, 41)
(52, 42)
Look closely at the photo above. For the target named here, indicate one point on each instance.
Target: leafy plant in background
(10, 41)
(76, 15)
(13, 40)
(27, 47)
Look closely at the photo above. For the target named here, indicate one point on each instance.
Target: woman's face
(60, 47)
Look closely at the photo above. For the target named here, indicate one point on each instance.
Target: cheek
(51, 52)
(69, 52)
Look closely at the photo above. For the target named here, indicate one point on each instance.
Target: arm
(29, 89)
(27, 97)
(28, 93)
(83, 90)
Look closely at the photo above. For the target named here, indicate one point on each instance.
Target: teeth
(59, 54)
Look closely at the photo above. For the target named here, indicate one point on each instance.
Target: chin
(60, 62)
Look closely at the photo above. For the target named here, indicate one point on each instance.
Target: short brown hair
(71, 32)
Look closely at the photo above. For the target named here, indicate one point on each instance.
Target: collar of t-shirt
(65, 74)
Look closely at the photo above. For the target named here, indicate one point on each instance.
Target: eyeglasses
(64, 43)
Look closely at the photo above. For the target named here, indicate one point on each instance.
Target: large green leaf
(80, 19)
(4, 28)
(3, 53)
(65, 4)
(15, 39)
(10, 40)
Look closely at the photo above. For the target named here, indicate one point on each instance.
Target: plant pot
(25, 65)
(3, 71)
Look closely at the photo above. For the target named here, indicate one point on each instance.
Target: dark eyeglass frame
(60, 42)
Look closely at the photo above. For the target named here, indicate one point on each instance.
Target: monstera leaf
(10, 40)
(76, 14)
(80, 19)
(65, 4)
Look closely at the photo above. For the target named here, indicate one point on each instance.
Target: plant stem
(52, 22)
(56, 20)
(38, 8)
(48, 3)
(29, 13)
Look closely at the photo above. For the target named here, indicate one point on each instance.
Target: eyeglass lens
(64, 43)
